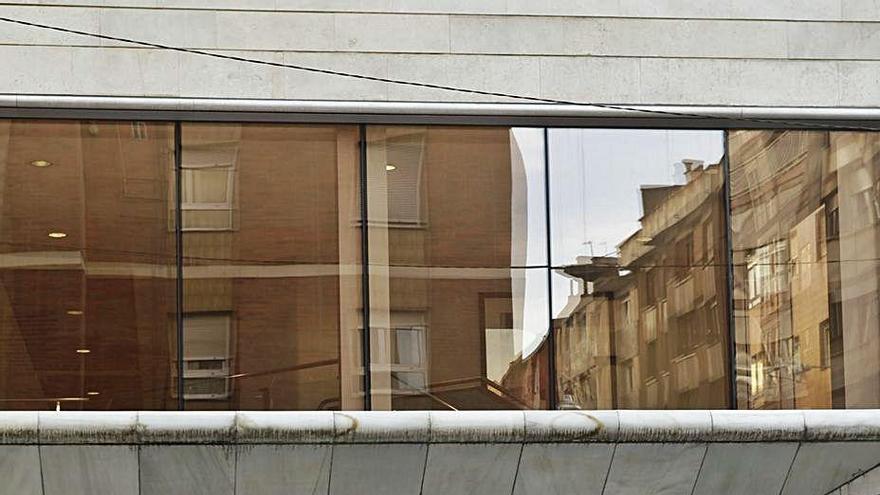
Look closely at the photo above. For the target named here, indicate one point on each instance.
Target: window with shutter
(206, 353)
(208, 187)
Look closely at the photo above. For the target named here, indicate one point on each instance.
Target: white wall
(740, 52)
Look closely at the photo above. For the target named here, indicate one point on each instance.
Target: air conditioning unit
(205, 378)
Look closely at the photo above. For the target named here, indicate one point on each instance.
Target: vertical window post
(178, 236)
(731, 318)
(365, 263)
(551, 334)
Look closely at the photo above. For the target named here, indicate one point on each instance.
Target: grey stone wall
(866, 484)
(726, 52)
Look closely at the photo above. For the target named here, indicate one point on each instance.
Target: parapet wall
(442, 452)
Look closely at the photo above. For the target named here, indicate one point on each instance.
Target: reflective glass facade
(272, 257)
(150, 265)
(87, 314)
(805, 222)
(639, 252)
(459, 303)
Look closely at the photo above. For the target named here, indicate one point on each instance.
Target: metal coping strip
(305, 111)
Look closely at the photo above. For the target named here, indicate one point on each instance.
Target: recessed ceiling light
(57, 235)
(83, 351)
(41, 163)
(74, 312)
(389, 167)
(93, 393)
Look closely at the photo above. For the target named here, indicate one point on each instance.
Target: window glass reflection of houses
(805, 236)
(458, 268)
(640, 268)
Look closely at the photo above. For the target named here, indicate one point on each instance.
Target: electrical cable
(404, 82)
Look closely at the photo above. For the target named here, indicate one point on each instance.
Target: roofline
(334, 427)
(518, 114)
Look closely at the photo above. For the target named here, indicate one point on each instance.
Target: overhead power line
(442, 87)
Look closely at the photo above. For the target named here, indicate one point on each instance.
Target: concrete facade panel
(383, 468)
(839, 40)
(187, 469)
(309, 85)
(766, 463)
(861, 10)
(86, 19)
(591, 79)
(578, 468)
(125, 71)
(634, 52)
(859, 83)
(230, 79)
(274, 31)
(740, 82)
(176, 28)
(461, 469)
(449, 6)
(515, 75)
(821, 467)
(20, 469)
(136, 72)
(825, 10)
(865, 484)
(617, 37)
(282, 469)
(391, 33)
(89, 469)
(674, 468)
(736, 9)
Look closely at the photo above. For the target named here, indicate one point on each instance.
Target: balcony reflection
(645, 256)
(644, 326)
(805, 216)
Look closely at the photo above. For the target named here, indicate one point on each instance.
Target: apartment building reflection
(460, 259)
(458, 278)
(272, 302)
(647, 328)
(804, 220)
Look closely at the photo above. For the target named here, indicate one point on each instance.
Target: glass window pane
(272, 289)
(455, 213)
(603, 181)
(87, 289)
(805, 215)
(638, 226)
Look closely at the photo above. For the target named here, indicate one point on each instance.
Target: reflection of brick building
(650, 330)
(802, 202)
(445, 231)
(103, 282)
(272, 294)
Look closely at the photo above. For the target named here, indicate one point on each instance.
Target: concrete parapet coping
(439, 427)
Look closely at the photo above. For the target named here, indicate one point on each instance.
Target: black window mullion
(365, 271)
(551, 334)
(728, 234)
(178, 236)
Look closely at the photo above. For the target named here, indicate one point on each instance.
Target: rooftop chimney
(691, 166)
